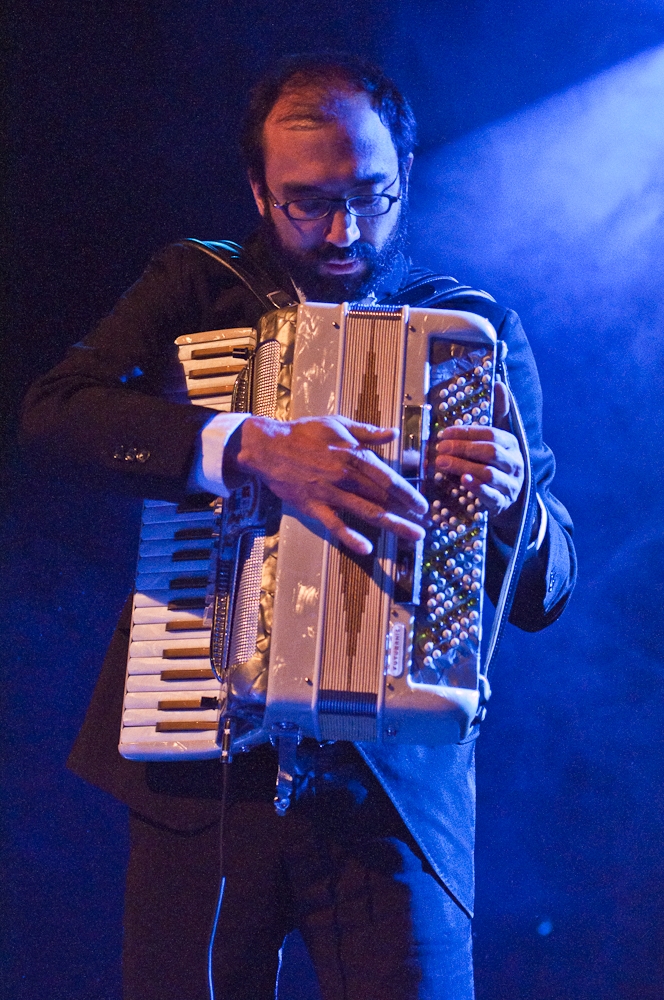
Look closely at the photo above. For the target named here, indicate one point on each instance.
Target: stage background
(540, 178)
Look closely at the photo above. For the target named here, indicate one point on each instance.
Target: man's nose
(342, 229)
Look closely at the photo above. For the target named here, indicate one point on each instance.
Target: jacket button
(118, 452)
(142, 455)
(130, 454)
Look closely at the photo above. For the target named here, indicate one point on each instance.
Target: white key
(160, 613)
(150, 650)
(148, 734)
(153, 682)
(166, 529)
(161, 598)
(169, 512)
(159, 564)
(162, 581)
(150, 717)
(150, 548)
(152, 699)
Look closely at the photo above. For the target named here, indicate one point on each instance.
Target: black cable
(222, 878)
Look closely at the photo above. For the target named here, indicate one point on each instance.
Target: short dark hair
(328, 71)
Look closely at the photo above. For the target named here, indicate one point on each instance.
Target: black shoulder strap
(427, 290)
(235, 259)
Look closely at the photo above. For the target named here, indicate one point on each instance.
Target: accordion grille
(358, 587)
(266, 379)
(247, 604)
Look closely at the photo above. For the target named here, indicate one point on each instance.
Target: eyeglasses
(364, 206)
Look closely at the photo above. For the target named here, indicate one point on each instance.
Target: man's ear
(258, 189)
(406, 169)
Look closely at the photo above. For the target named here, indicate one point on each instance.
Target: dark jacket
(105, 402)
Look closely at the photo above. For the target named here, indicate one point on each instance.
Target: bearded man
(373, 861)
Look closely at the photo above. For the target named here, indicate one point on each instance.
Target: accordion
(245, 610)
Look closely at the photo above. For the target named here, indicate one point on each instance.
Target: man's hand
(323, 467)
(489, 463)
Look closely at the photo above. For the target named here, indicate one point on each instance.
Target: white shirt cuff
(506, 550)
(206, 472)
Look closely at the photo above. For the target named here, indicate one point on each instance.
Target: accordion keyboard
(171, 702)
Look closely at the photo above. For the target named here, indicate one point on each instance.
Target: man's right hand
(323, 468)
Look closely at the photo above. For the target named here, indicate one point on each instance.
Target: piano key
(182, 687)
(171, 581)
(152, 547)
(161, 613)
(160, 631)
(215, 387)
(170, 649)
(157, 530)
(242, 337)
(213, 403)
(187, 673)
(184, 599)
(169, 726)
(170, 514)
(152, 717)
(196, 502)
(224, 368)
(155, 664)
(236, 349)
(170, 700)
(194, 534)
(136, 735)
(159, 564)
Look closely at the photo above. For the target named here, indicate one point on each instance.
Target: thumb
(501, 406)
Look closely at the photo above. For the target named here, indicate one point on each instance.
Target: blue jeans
(340, 866)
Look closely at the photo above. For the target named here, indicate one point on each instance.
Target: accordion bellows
(253, 613)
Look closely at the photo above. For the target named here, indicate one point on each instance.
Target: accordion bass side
(295, 634)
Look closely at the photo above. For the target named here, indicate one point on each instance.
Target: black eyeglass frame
(346, 202)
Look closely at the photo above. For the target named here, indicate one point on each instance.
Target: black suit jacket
(100, 416)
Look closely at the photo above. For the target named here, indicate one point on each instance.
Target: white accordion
(247, 611)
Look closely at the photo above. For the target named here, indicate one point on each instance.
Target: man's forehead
(311, 129)
(311, 107)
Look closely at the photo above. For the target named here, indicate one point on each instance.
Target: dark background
(541, 177)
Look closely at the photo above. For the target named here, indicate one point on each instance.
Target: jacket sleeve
(97, 417)
(548, 576)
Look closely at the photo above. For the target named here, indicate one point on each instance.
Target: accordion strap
(241, 264)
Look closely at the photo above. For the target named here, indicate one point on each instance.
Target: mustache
(358, 251)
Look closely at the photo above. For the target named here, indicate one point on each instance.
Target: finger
(473, 432)
(375, 515)
(368, 433)
(353, 540)
(507, 488)
(467, 455)
(376, 481)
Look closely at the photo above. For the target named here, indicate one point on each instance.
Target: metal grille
(358, 588)
(247, 604)
(266, 378)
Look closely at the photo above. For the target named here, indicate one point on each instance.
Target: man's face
(349, 153)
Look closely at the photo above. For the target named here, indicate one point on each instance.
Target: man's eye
(367, 201)
(309, 206)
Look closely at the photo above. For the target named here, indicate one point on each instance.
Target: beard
(303, 265)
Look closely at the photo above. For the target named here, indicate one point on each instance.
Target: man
(373, 862)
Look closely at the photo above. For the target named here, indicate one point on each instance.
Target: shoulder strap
(235, 259)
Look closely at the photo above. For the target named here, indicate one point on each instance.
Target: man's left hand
(488, 462)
